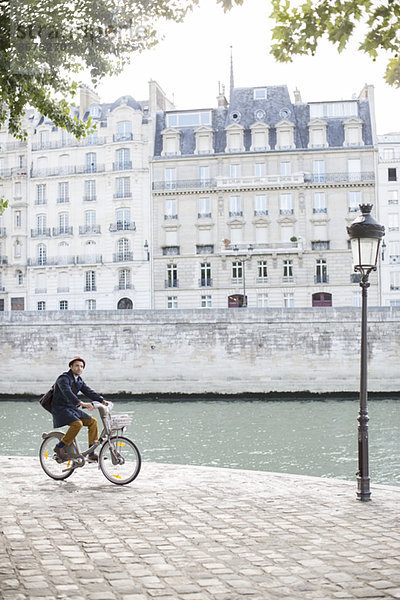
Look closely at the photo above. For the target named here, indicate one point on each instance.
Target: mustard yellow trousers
(75, 427)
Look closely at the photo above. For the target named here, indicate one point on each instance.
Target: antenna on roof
(232, 85)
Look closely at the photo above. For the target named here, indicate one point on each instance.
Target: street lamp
(365, 236)
(146, 249)
(243, 261)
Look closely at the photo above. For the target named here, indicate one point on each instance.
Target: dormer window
(317, 134)
(171, 142)
(204, 140)
(285, 135)
(95, 111)
(353, 132)
(234, 138)
(259, 137)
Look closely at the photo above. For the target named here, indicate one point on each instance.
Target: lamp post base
(363, 489)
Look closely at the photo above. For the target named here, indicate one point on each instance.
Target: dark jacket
(65, 402)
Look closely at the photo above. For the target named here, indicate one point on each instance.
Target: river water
(309, 437)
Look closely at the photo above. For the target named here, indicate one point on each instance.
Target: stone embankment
(194, 533)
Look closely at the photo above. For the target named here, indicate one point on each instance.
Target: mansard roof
(270, 105)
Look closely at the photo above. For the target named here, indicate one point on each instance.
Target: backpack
(46, 399)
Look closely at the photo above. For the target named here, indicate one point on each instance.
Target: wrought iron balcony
(86, 229)
(286, 211)
(122, 226)
(68, 170)
(171, 250)
(63, 200)
(88, 141)
(66, 230)
(236, 213)
(320, 210)
(204, 249)
(123, 137)
(122, 256)
(184, 184)
(339, 177)
(170, 217)
(41, 232)
(204, 215)
(321, 278)
(320, 245)
(89, 259)
(122, 166)
(260, 213)
(205, 282)
(90, 288)
(121, 195)
(41, 261)
(124, 286)
(171, 283)
(91, 198)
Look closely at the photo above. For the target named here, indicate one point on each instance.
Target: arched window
(322, 299)
(125, 304)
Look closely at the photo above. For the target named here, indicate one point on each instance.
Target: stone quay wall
(218, 351)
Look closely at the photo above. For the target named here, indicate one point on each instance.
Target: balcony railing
(171, 250)
(14, 172)
(89, 259)
(320, 245)
(121, 226)
(41, 232)
(121, 195)
(286, 211)
(41, 290)
(171, 283)
(90, 198)
(122, 256)
(288, 279)
(355, 277)
(67, 170)
(185, 184)
(90, 288)
(122, 166)
(170, 217)
(51, 261)
(262, 248)
(260, 213)
(9, 146)
(236, 213)
(124, 286)
(123, 137)
(66, 230)
(62, 290)
(204, 215)
(86, 229)
(339, 177)
(205, 282)
(321, 278)
(320, 210)
(89, 141)
(63, 200)
(204, 249)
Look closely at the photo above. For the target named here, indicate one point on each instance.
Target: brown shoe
(61, 452)
(93, 458)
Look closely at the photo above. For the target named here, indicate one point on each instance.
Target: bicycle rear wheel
(120, 460)
(50, 466)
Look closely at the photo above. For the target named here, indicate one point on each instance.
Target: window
(262, 300)
(123, 187)
(260, 170)
(204, 176)
(17, 249)
(90, 281)
(123, 216)
(90, 304)
(395, 281)
(262, 270)
(90, 190)
(123, 250)
(41, 222)
(63, 282)
(170, 178)
(354, 201)
(288, 300)
(90, 162)
(170, 209)
(321, 273)
(41, 305)
(205, 275)
(172, 276)
(392, 174)
(63, 304)
(123, 159)
(319, 171)
(287, 270)
(63, 192)
(19, 277)
(234, 171)
(204, 208)
(333, 109)
(189, 119)
(90, 221)
(17, 189)
(172, 302)
(124, 131)
(63, 223)
(41, 254)
(285, 204)
(354, 169)
(206, 302)
(235, 206)
(260, 93)
(17, 219)
(41, 194)
(124, 279)
(260, 205)
(285, 169)
(43, 139)
(319, 203)
(237, 271)
(393, 222)
(393, 197)
(394, 252)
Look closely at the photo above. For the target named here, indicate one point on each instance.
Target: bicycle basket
(120, 421)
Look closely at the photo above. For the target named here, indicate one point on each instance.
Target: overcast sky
(195, 56)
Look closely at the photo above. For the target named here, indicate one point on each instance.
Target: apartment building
(77, 230)
(251, 200)
(389, 215)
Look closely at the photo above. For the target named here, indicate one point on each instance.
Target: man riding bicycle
(66, 407)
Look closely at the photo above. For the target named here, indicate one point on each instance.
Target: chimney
(86, 98)
(221, 98)
(297, 96)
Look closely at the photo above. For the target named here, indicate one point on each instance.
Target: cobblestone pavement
(194, 533)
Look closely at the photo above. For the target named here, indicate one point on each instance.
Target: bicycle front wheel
(50, 466)
(120, 460)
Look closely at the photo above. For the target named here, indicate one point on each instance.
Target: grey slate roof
(276, 107)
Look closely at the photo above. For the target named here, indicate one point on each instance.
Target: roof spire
(232, 82)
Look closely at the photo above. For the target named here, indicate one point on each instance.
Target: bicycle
(119, 457)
